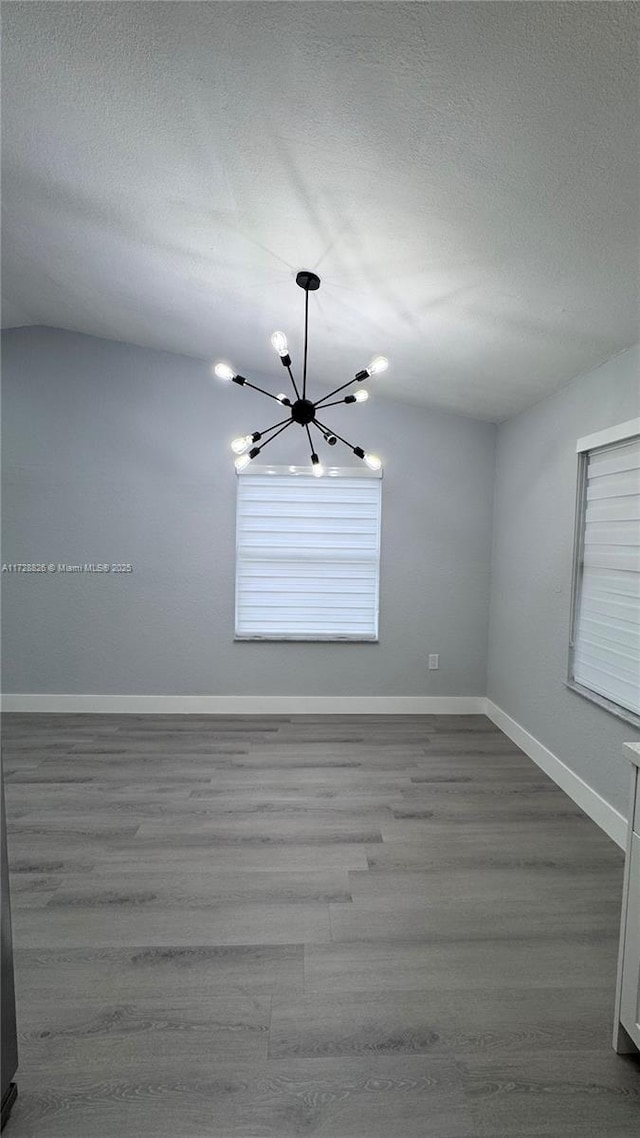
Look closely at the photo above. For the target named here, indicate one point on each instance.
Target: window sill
(308, 639)
(604, 703)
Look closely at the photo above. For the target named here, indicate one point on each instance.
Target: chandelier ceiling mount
(307, 280)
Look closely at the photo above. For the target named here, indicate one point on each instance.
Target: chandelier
(302, 410)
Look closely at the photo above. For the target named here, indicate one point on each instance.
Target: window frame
(600, 440)
(300, 638)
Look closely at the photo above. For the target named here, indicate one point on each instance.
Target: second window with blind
(307, 555)
(605, 638)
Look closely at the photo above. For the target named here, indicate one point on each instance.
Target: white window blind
(606, 641)
(307, 557)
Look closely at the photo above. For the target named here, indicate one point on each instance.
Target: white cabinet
(626, 1035)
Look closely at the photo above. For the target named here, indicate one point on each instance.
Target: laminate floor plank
(309, 781)
(125, 924)
(99, 777)
(457, 847)
(567, 831)
(206, 889)
(374, 1097)
(552, 1094)
(101, 797)
(261, 830)
(272, 926)
(418, 963)
(480, 774)
(475, 920)
(99, 1036)
(464, 1022)
(484, 808)
(490, 884)
(470, 743)
(295, 801)
(28, 852)
(194, 972)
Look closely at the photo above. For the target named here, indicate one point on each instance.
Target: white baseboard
(247, 704)
(602, 812)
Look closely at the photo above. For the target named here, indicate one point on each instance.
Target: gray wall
(118, 453)
(534, 508)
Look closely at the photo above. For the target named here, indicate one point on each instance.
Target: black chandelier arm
(322, 430)
(262, 391)
(356, 379)
(306, 427)
(327, 435)
(324, 427)
(256, 435)
(295, 386)
(270, 440)
(336, 402)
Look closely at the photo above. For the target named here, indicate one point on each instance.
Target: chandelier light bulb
(361, 396)
(282, 398)
(317, 470)
(241, 462)
(373, 462)
(223, 371)
(279, 341)
(241, 444)
(380, 363)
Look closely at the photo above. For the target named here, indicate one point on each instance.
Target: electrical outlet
(434, 660)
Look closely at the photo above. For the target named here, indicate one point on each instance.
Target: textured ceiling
(463, 176)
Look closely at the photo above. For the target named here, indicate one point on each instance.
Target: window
(307, 554)
(605, 636)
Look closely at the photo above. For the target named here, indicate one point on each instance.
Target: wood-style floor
(344, 927)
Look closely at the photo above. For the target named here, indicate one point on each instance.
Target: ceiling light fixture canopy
(303, 411)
